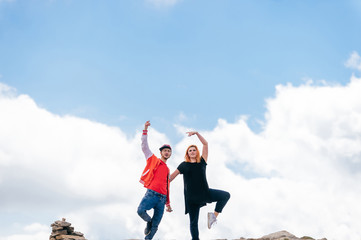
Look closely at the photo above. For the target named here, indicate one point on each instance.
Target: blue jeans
(156, 201)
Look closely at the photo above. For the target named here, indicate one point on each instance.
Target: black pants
(219, 196)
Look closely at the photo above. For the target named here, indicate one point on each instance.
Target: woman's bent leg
(221, 197)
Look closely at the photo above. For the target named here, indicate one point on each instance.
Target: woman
(196, 191)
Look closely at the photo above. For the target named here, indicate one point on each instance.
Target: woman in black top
(196, 191)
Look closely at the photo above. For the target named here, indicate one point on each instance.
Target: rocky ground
(282, 235)
(62, 230)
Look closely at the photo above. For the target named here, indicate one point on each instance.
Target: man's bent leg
(146, 204)
(157, 216)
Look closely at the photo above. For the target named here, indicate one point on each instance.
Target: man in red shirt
(155, 178)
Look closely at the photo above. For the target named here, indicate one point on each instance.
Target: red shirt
(159, 182)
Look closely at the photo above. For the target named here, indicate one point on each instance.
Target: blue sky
(122, 62)
(273, 85)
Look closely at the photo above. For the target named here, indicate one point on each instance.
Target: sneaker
(148, 228)
(212, 219)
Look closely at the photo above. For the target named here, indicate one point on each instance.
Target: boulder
(281, 235)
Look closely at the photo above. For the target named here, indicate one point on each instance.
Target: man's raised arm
(145, 147)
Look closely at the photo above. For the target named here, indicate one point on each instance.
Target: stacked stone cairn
(62, 230)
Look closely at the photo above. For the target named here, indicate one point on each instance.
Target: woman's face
(192, 152)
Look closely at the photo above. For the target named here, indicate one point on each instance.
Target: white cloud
(301, 173)
(6, 90)
(53, 164)
(33, 231)
(182, 117)
(163, 3)
(354, 61)
(36, 227)
(36, 236)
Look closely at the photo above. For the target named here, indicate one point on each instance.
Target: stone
(78, 234)
(69, 237)
(70, 229)
(280, 234)
(57, 228)
(62, 224)
(61, 232)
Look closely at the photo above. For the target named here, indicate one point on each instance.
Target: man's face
(166, 153)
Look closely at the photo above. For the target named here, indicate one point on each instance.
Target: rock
(69, 237)
(59, 232)
(78, 234)
(56, 228)
(70, 229)
(62, 224)
(280, 235)
(62, 230)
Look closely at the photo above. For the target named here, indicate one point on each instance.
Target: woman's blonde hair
(198, 156)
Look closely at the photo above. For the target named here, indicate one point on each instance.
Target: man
(155, 178)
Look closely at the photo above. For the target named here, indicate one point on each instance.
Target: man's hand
(169, 208)
(146, 125)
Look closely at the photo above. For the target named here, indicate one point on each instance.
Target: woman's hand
(191, 133)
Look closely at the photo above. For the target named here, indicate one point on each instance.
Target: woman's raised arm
(203, 141)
